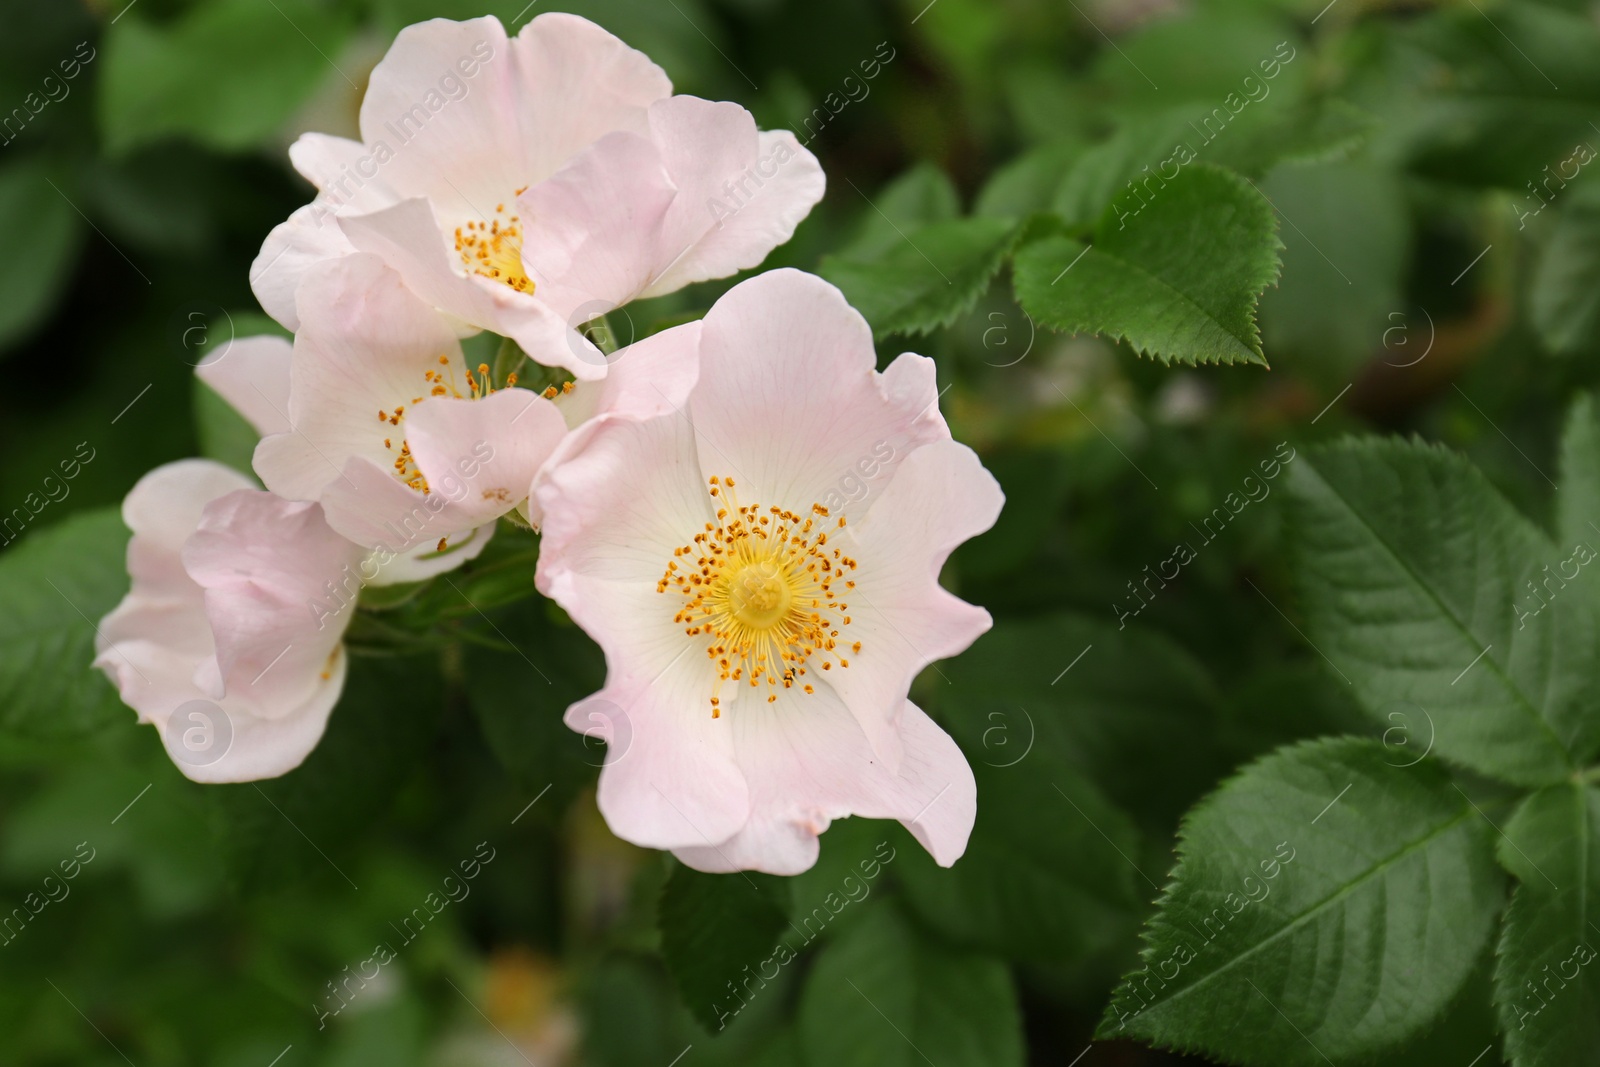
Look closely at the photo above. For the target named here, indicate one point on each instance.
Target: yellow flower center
(494, 249)
(761, 585)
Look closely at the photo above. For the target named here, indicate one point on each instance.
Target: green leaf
(1564, 294)
(56, 585)
(1177, 278)
(1326, 906)
(38, 218)
(1578, 503)
(312, 821)
(1070, 691)
(928, 279)
(518, 695)
(227, 74)
(1048, 872)
(1491, 98)
(921, 195)
(1103, 172)
(1027, 184)
(717, 931)
(1323, 131)
(884, 995)
(1547, 985)
(1415, 578)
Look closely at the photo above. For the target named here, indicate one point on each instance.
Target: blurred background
(1435, 281)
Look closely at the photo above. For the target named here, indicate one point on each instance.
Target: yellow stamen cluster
(762, 586)
(440, 383)
(494, 249)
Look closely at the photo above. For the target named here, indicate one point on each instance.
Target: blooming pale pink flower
(410, 451)
(225, 642)
(761, 569)
(525, 185)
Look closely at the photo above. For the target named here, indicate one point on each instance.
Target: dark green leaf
(44, 230)
(309, 822)
(1491, 99)
(921, 195)
(1326, 906)
(1547, 984)
(1048, 872)
(1416, 579)
(1578, 503)
(884, 995)
(717, 931)
(519, 694)
(1564, 295)
(1027, 184)
(1177, 278)
(56, 584)
(927, 279)
(1069, 691)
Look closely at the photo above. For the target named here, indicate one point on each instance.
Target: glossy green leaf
(1177, 276)
(1326, 906)
(1417, 581)
(885, 995)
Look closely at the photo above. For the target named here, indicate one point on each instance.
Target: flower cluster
(760, 639)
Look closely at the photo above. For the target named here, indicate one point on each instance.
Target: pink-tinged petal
(347, 174)
(939, 497)
(808, 763)
(266, 565)
(309, 237)
(577, 83)
(365, 345)
(150, 643)
(647, 378)
(741, 194)
(444, 102)
(482, 454)
(595, 239)
(259, 747)
(158, 644)
(670, 779)
(408, 238)
(788, 401)
(252, 375)
(373, 508)
(624, 496)
(164, 507)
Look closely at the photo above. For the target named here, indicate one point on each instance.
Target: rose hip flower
(525, 185)
(221, 617)
(410, 451)
(761, 569)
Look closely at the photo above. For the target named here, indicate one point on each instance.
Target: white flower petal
(807, 764)
(252, 375)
